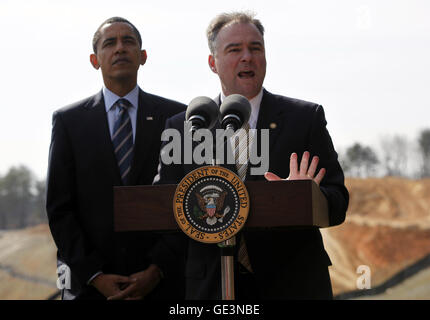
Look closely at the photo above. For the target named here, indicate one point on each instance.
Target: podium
(273, 204)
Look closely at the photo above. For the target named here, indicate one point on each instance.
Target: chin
(124, 74)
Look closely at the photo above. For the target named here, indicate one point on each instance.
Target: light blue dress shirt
(112, 112)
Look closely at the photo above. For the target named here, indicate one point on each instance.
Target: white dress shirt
(255, 108)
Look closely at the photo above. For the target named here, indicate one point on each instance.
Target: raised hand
(304, 172)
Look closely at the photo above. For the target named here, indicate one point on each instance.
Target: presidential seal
(211, 204)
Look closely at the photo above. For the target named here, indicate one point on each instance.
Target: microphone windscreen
(204, 107)
(238, 105)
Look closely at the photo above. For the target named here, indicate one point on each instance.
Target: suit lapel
(269, 117)
(99, 131)
(145, 129)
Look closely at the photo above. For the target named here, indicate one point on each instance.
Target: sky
(366, 62)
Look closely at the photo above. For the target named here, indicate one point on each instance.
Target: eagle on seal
(212, 207)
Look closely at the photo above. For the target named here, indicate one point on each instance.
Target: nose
(246, 55)
(119, 46)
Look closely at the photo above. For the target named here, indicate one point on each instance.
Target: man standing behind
(276, 264)
(109, 139)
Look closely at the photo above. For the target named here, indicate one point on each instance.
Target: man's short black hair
(97, 34)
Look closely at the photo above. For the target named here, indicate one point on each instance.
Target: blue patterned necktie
(122, 140)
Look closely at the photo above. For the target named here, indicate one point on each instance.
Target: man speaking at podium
(109, 139)
(272, 264)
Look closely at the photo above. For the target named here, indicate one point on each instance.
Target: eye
(107, 44)
(129, 40)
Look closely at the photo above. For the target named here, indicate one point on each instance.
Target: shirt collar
(110, 97)
(255, 107)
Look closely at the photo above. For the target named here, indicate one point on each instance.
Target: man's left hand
(142, 283)
(305, 172)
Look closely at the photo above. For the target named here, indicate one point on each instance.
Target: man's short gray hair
(224, 19)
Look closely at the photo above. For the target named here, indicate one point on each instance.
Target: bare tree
(424, 145)
(394, 151)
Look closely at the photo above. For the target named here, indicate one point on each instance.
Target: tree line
(395, 156)
(22, 195)
(22, 199)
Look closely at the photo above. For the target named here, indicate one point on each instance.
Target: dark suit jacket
(81, 175)
(287, 264)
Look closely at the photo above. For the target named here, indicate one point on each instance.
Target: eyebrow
(230, 45)
(123, 38)
(108, 39)
(129, 38)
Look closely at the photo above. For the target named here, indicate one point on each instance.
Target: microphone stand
(227, 248)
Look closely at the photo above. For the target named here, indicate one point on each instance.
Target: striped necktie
(122, 140)
(242, 141)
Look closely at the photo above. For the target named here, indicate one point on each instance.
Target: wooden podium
(273, 204)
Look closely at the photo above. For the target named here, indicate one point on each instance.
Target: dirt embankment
(27, 264)
(387, 229)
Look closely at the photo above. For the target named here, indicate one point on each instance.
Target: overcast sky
(366, 62)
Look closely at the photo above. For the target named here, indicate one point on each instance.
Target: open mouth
(246, 74)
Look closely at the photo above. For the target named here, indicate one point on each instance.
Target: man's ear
(94, 61)
(211, 62)
(143, 57)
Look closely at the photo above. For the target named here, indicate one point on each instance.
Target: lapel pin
(149, 118)
(273, 125)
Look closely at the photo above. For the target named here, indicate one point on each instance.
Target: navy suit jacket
(290, 263)
(82, 173)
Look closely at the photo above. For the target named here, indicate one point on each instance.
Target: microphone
(234, 111)
(202, 112)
